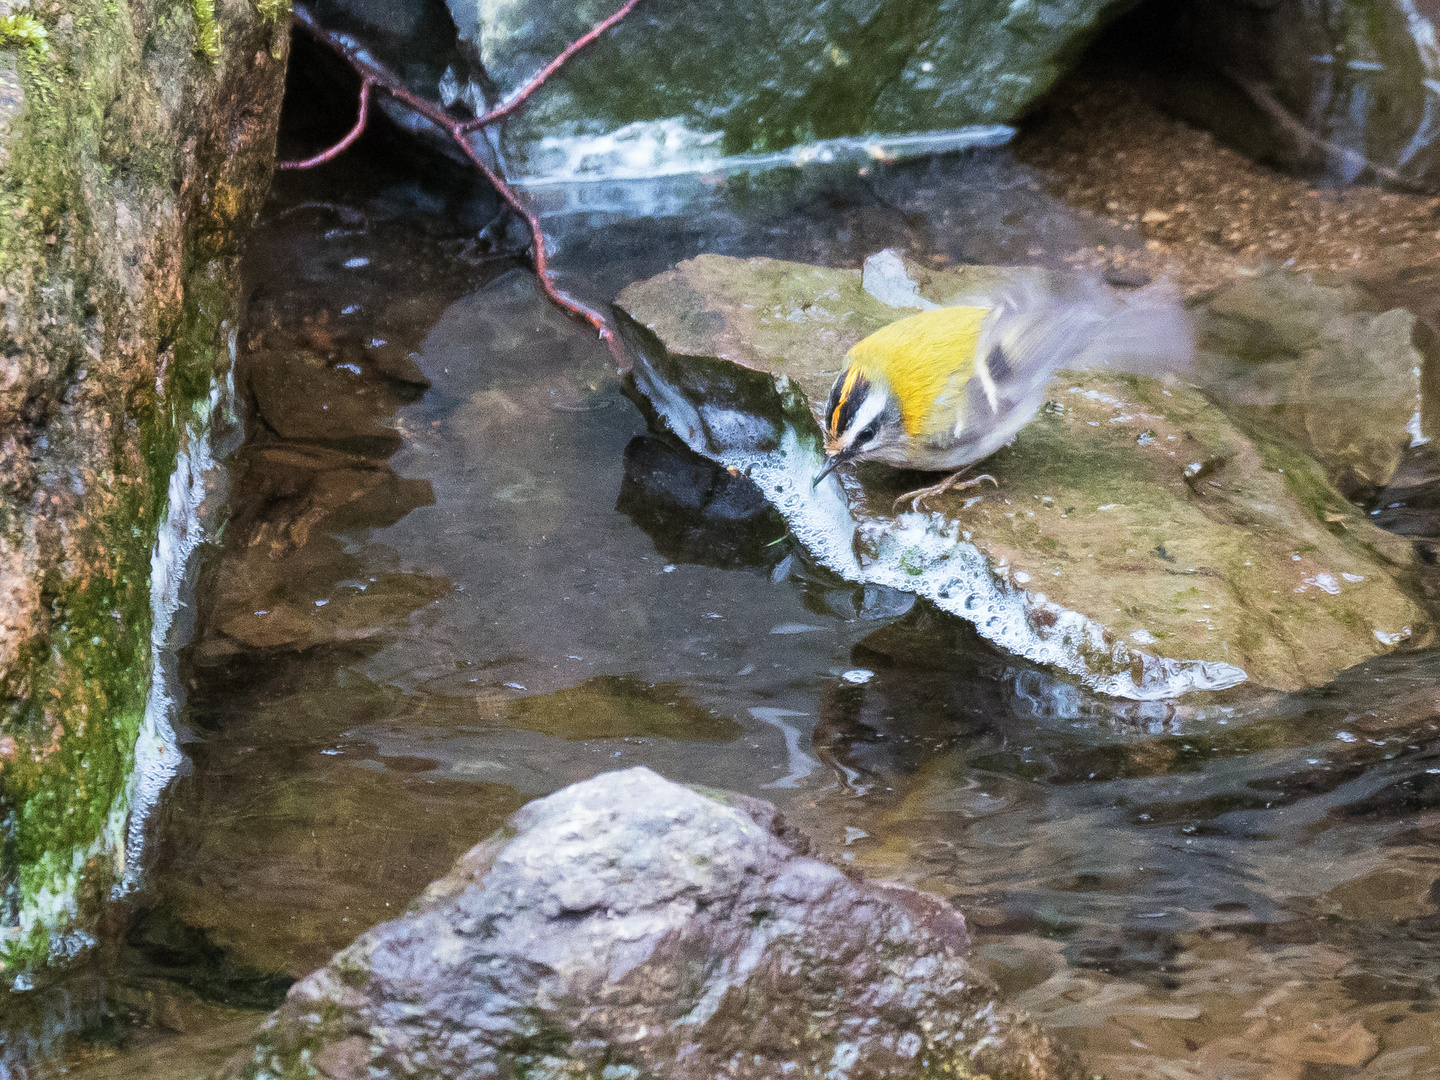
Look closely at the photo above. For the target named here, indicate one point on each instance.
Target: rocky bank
(136, 142)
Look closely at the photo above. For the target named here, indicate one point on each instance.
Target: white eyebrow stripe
(870, 408)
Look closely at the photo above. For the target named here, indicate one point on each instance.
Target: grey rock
(627, 926)
(694, 81)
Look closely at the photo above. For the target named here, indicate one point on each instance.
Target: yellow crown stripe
(849, 385)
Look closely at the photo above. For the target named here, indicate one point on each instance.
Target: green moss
(273, 11)
(90, 134)
(207, 32)
(24, 31)
(861, 61)
(87, 687)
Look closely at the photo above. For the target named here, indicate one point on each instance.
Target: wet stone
(331, 392)
(607, 707)
(294, 833)
(285, 581)
(678, 83)
(567, 944)
(1139, 539)
(1410, 504)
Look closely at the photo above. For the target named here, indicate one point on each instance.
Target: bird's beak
(830, 465)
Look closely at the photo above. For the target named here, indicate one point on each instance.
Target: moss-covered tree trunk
(136, 141)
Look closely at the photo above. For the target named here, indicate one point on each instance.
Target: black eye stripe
(843, 406)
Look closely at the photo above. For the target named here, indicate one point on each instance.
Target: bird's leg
(954, 482)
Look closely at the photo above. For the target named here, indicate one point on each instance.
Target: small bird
(948, 387)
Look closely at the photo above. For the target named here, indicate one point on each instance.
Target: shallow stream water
(435, 602)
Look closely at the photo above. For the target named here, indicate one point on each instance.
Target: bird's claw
(916, 497)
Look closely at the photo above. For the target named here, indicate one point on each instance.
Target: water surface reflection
(461, 575)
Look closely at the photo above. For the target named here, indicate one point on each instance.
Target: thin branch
(377, 75)
(1268, 103)
(518, 97)
(366, 85)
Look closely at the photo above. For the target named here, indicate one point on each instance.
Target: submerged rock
(1138, 538)
(683, 85)
(284, 581)
(696, 511)
(628, 926)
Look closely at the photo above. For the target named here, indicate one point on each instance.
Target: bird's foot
(955, 482)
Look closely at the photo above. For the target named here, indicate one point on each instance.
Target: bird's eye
(866, 435)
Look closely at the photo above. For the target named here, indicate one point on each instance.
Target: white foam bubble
(924, 554)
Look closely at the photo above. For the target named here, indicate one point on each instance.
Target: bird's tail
(1145, 332)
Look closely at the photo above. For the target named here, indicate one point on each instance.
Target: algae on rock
(128, 164)
(1138, 539)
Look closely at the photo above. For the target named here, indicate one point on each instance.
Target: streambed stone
(628, 926)
(1138, 538)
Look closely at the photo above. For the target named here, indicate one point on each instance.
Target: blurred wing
(1146, 332)
(1032, 332)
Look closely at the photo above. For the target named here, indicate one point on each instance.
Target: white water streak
(157, 756)
(646, 150)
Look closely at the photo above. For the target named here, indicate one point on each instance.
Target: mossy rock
(1139, 538)
(692, 82)
(136, 142)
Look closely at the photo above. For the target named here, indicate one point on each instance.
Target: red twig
(518, 97)
(374, 74)
(366, 85)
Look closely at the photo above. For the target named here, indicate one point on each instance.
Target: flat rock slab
(1139, 538)
(630, 927)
